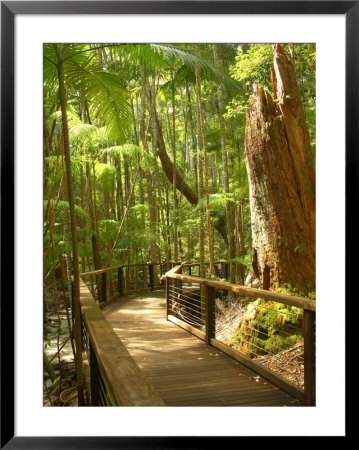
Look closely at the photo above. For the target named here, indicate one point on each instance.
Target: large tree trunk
(281, 173)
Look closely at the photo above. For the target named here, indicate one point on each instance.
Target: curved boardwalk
(183, 369)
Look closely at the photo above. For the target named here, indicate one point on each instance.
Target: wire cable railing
(269, 332)
(107, 284)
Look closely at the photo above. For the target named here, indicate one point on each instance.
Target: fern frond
(217, 201)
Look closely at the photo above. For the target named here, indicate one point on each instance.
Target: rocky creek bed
(57, 345)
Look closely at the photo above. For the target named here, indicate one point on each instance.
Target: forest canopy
(111, 92)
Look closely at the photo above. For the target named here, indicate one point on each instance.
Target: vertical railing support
(168, 300)
(151, 274)
(309, 357)
(104, 286)
(210, 313)
(226, 271)
(179, 288)
(72, 304)
(120, 281)
(94, 378)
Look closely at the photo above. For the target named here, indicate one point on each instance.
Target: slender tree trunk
(192, 159)
(201, 193)
(94, 236)
(77, 312)
(229, 222)
(204, 141)
(119, 190)
(169, 252)
(174, 171)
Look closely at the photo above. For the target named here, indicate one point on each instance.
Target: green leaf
(63, 205)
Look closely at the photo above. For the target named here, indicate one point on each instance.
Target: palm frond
(190, 60)
(131, 151)
(106, 175)
(109, 99)
(145, 207)
(83, 135)
(64, 205)
(76, 163)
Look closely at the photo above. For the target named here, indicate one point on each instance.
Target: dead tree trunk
(281, 173)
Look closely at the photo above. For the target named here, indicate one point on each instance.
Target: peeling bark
(281, 173)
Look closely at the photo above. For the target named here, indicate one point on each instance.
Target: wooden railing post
(226, 271)
(94, 378)
(104, 286)
(168, 300)
(151, 274)
(161, 269)
(309, 357)
(120, 281)
(72, 304)
(210, 313)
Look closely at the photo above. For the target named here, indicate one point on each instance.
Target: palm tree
(73, 65)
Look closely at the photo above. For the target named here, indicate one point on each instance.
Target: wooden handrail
(220, 261)
(125, 383)
(109, 269)
(290, 300)
(175, 270)
(98, 272)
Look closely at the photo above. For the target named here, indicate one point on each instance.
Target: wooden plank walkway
(183, 370)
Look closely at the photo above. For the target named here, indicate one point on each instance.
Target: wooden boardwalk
(183, 370)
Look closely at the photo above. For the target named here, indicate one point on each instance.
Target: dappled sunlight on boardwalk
(183, 370)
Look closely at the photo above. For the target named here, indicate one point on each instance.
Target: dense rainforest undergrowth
(179, 152)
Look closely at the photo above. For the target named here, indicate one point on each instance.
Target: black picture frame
(9, 9)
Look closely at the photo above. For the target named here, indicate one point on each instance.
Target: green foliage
(141, 208)
(217, 202)
(77, 162)
(130, 151)
(105, 175)
(63, 205)
(105, 89)
(253, 64)
(287, 289)
(245, 260)
(83, 135)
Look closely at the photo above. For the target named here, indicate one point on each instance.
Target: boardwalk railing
(106, 284)
(112, 377)
(219, 313)
(284, 355)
